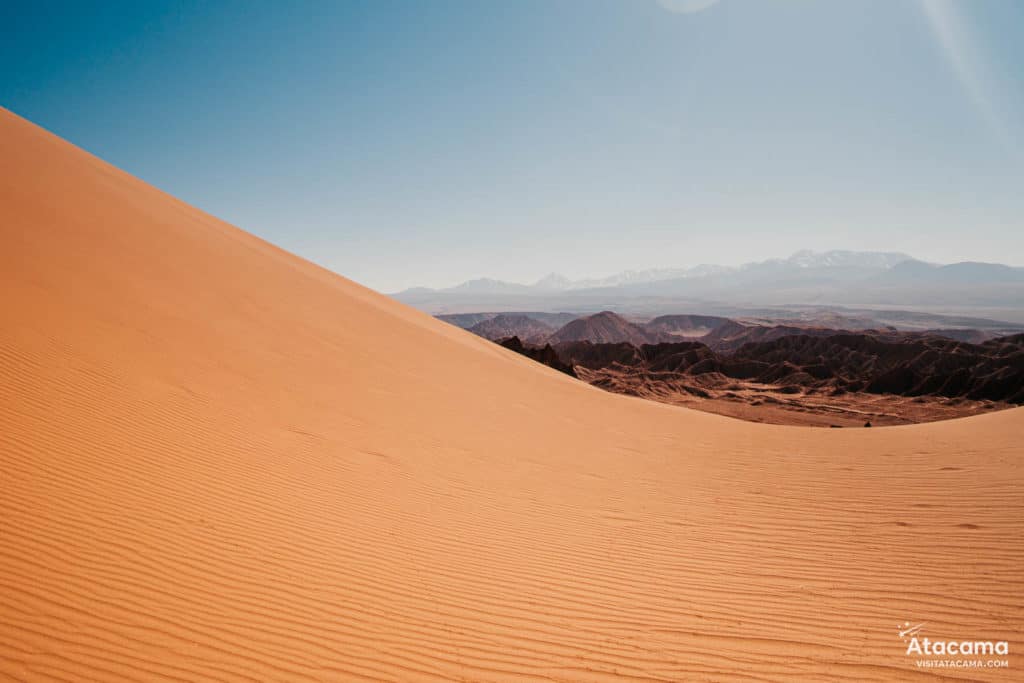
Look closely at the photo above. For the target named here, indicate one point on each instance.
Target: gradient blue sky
(425, 143)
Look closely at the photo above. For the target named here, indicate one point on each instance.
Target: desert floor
(765, 403)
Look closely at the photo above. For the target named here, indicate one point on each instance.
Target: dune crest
(222, 462)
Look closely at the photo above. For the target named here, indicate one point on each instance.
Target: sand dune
(221, 462)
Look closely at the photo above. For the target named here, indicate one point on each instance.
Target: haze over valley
(843, 282)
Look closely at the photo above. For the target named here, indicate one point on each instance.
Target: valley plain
(796, 372)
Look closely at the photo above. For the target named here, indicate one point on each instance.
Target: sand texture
(220, 462)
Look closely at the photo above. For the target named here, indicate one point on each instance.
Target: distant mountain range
(831, 278)
(801, 260)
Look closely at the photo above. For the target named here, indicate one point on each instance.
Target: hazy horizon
(768, 258)
(427, 144)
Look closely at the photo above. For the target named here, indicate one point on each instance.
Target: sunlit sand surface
(220, 462)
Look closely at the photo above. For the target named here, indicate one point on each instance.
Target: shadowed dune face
(222, 462)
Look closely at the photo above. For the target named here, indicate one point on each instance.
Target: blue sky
(425, 143)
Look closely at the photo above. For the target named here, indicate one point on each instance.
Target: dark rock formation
(545, 355)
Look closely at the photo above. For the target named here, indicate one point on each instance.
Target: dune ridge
(222, 462)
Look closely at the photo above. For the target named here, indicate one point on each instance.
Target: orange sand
(221, 462)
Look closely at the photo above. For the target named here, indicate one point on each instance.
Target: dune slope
(221, 462)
